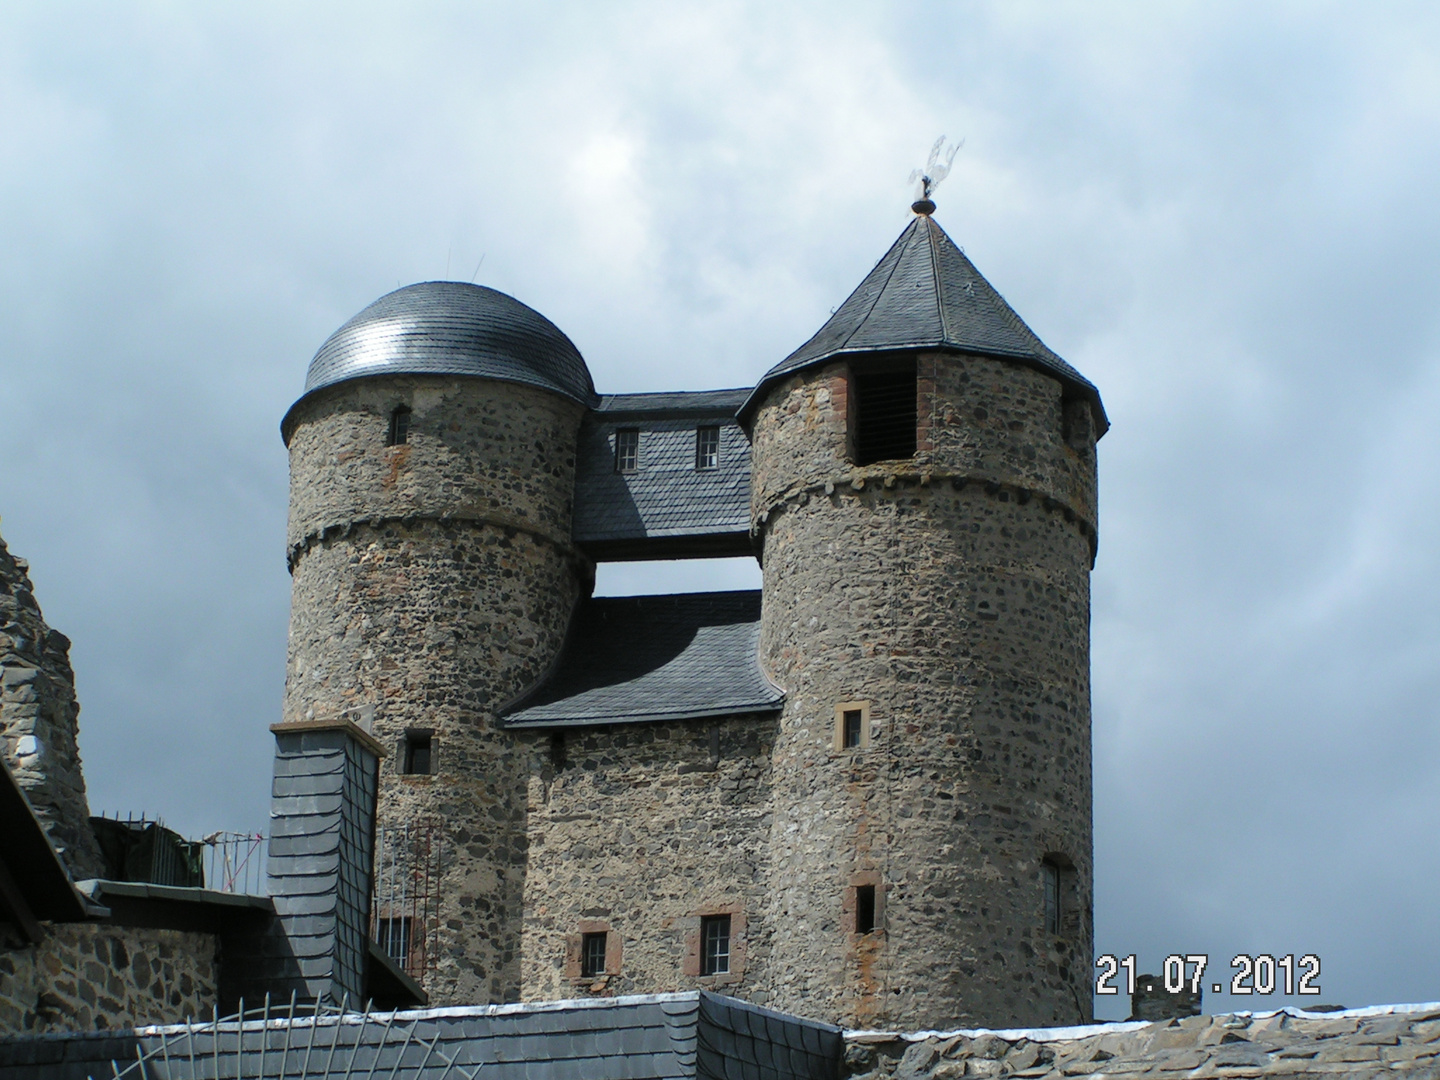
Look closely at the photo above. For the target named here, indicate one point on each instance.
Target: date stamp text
(1259, 974)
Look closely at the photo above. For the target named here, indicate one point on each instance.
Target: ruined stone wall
(1388, 1041)
(39, 719)
(90, 976)
(948, 598)
(432, 583)
(638, 830)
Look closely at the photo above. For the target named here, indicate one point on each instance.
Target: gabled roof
(925, 294)
(630, 659)
(666, 508)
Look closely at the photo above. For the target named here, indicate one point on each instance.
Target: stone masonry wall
(39, 719)
(638, 830)
(948, 597)
(89, 976)
(1389, 1041)
(432, 583)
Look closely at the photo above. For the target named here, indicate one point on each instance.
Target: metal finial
(928, 178)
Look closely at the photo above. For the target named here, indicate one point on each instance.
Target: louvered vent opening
(884, 415)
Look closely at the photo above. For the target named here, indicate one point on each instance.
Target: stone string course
(39, 718)
(87, 977)
(1365, 1043)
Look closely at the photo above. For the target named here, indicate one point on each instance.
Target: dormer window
(399, 432)
(707, 448)
(627, 450)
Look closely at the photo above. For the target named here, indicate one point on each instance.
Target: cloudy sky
(1223, 214)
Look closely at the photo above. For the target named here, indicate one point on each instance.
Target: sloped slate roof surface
(925, 294)
(652, 1037)
(667, 496)
(639, 658)
(453, 328)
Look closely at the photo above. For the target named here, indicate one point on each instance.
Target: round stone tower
(432, 462)
(924, 499)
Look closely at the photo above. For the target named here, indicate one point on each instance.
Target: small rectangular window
(627, 450)
(864, 908)
(1050, 873)
(399, 432)
(715, 945)
(592, 954)
(886, 413)
(418, 753)
(393, 937)
(707, 448)
(852, 725)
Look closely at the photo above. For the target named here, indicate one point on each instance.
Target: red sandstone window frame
(849, 907)
(574, 966)
(692, 964)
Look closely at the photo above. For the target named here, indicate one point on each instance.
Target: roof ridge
(930, 229)
(899, 245)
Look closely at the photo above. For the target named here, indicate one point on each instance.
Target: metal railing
(405, 906)
(235, 862)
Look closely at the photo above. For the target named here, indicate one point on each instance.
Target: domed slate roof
(453, 328)
(925, 294)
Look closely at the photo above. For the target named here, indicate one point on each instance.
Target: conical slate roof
(925, 294)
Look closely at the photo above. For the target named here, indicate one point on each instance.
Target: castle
(862, 794)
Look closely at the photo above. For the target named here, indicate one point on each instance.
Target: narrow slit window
(852, 719)
(419, 755)
(1050, 876)
(399, 432)
(707, 448)
(592, 954)
(864, 909)
(885, 415)
(627, 450)
(715, 945)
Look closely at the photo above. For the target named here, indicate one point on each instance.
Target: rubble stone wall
(947, 595)
(639, 830)
(39, 719)
(1287, 1044)
(89, 976)
(432, 583)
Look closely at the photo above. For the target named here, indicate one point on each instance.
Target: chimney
(321, 855)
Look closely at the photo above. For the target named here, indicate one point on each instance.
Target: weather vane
(928, 178)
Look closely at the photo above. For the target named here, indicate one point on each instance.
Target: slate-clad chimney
(322, 838)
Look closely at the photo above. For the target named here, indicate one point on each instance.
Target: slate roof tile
(637, 658)
(925, 294)
(667, 496)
